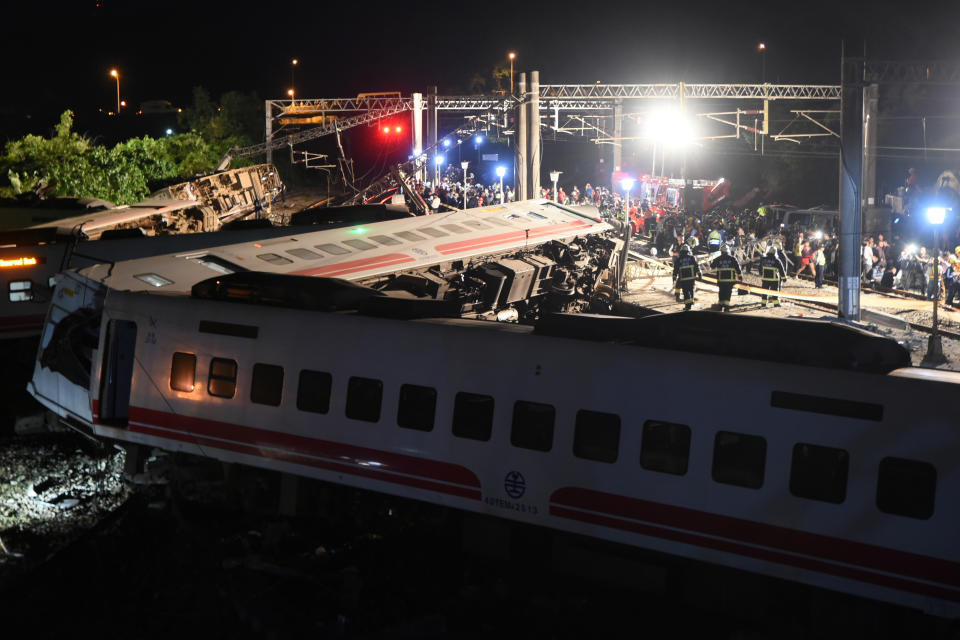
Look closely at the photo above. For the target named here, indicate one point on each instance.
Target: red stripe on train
(341, 268)
(769, 555)
(755, 533)
(295, 445)
(510, 236)
(385, 476)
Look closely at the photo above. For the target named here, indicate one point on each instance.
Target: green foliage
(70, 165)
(236, 121)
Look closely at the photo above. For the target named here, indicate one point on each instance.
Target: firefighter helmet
(771, 250)
(725, 249)
(685, 250)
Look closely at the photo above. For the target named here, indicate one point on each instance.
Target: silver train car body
(30, 259)
(832, 477)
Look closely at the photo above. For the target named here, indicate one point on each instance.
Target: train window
(218, 264)
(385, 240)
(274, 258)
(476, 224)
(20, 290)
(411, 236)
(739, 459)
(304, 254)
(472, 416)
(313, 392)
(665, 447)
(827, 406)
(819, 473)
(153, 279)
(417, 407)
(532, 425)
(455, 228)
(596, 436)
(536, 216)
(436, 233)
(223, 378)
(229, 329)
(183, 372)
(360, 245)
(363, 399)
(267, 384)
(332, 249)
(906, 488)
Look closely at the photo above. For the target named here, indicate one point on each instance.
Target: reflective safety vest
(687, 268)
(770, 273)
(726, 275)
(688, 272)
(714, 237)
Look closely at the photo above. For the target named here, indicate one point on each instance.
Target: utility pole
(520, 157)
(534, 124)
(851, 181)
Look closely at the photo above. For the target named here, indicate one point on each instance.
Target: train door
(117, 374)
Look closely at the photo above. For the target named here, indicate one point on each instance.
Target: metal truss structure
(806, 114)
(916, 72)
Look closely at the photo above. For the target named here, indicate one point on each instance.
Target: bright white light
(627, 183)
(911, 248)
(670, 127)
(439, 160)
(936, 215)
(818, 235)
(501, 171)
(169, 132)
(478, 139)
(446, 142)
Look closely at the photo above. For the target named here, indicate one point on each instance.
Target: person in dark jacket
(772, 272)
(685, 273)
(728, 271)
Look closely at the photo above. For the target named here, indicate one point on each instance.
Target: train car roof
(361, 250)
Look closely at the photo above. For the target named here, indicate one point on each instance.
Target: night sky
(59, 54)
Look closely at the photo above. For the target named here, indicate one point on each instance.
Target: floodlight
(936, 215)
(501, 171)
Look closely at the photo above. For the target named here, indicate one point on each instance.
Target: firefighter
(772, 272)
(675, 250)
(714, 240)
(951, 280)
(728, 272)
(685, 273)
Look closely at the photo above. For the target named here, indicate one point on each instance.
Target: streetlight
(290, 93)
(501, 171)
(762, 48)
(627, 184)
(293, 66)
(439, 160)
(116, 75)
(934, 355)
(463, 165)
(554, 176)
(511, 55)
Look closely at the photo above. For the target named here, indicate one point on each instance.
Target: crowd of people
(813, 254)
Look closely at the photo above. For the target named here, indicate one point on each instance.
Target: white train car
(378, 242)
(841, 473)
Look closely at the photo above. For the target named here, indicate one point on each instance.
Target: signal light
(398, 129)
(386, 129)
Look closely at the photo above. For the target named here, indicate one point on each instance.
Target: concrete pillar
(617, 134)
(851, 179)
(268, 129)
(534, 127)
(871, 96)
(520, 143)
(416, 128)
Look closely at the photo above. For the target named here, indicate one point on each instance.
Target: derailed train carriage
(842, 475)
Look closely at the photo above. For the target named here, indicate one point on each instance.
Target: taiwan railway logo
(515, 485)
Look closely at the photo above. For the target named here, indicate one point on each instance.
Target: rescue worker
(772, 272)
(951, 280)
(714, 240)
(728, 271)
(685, 273)
(675, 250)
